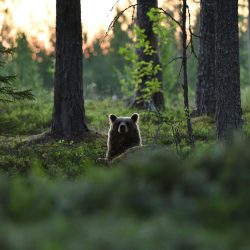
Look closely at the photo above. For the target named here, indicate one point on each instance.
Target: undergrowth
(53, 195)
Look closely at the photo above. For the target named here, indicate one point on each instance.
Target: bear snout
(123, 128)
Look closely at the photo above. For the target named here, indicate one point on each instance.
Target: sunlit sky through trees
(37, 17)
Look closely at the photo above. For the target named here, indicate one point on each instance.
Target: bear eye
(117, 124)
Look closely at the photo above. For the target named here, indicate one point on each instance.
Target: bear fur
(124, 133)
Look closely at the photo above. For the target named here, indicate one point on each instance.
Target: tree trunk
(143, 22)
(185, 74)
(69, 116)
(227, 74)
(205, 90)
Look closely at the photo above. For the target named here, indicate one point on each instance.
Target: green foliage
(46, 67)
(169, 52)
(8, 93)
(23, 66)
(25, 119)
(244, 59)
(137, 69)
(58, 159)
(244, 50)
(32, 68)
(157, 201)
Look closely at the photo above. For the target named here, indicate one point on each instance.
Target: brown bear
(124, 133)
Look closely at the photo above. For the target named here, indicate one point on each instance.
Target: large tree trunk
(205, 90)
(227, 74)
(68, 116)
(143, 22)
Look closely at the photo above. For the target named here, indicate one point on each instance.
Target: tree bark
(143, 22)
(205, 90)
(227, 76)
(68, 116)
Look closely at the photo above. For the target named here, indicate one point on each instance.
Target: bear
(124, 133)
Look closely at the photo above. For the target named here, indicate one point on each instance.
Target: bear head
(124, 126)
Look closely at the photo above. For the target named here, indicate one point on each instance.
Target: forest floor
(22, 124)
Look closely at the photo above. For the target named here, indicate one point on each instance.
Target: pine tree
(227, 73)
(8, 93)
(69, 115)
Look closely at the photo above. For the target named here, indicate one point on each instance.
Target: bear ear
(135, 117)
(112, 118)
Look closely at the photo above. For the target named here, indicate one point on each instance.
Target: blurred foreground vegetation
(54, 196)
